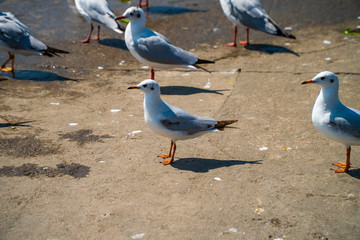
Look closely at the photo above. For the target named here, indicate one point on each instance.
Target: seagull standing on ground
(152, 48)
(251, 14)
(333, 119)
(97, 11)
(173, 122)
(16, 38)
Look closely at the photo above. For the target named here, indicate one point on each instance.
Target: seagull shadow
(182, 90)
(203, 165)
(114, 42)
(169, 10)
(269, 49)
(38, 76)
(355, 173)
(18, 124)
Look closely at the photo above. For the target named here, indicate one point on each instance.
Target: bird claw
(166, 162)
(164, 156)
(244, 43)
(6, 69)
(230, 44)
(340, 164)
(339, 170)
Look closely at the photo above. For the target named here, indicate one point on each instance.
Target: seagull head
(148, 87)
(325, 80)
(133, 14)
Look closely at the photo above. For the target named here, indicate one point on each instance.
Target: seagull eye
(145, 85)
(322, 78)
(131, 14)
(332, 80)
(138, 15)
(152, 88)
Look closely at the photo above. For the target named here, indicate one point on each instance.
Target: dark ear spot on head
(152, 88)
(332, 80)
(322, 78)
(138, 15)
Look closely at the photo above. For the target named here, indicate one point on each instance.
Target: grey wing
(16, 35)
(252, 14)
(180, 120)
(156, 48)
(350, 124)
(100, 12)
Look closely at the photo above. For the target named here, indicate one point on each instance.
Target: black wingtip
(203, 61)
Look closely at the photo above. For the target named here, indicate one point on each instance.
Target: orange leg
(146, 4)
(247, 38)
(152, 74)
(167, 162)
(343, 167)
(98, 35)
(233, 44)
(11, 69)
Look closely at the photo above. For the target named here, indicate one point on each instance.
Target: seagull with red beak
(333, 119)
(173, 122)
(153, 48)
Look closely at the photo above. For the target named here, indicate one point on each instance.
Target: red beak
(133, 87)
(120, 17)
(308, 81)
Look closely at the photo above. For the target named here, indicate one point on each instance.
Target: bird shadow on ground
(169, 10)
(38, 76)
(203, 165)
(183, 90)
(355, 173)
(270, 49)
(15, 124)
(114, 42)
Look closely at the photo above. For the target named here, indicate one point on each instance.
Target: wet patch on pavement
(33, 170)
(84, 136)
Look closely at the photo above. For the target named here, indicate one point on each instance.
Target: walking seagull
(251, 14)
(173, 122)
(16, 38)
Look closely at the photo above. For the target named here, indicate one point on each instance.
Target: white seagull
(152, 48)
(333, 119)
(251, 14)
(16, 38)
(173, 122)
(97, 11)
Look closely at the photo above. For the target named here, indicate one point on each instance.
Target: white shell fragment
(115, 110)
(217, 178)
(263, 148)
(138, 236)
(326, 42)
(208, 84)
(73, 124)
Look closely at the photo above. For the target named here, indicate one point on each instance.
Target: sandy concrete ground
(101, 180)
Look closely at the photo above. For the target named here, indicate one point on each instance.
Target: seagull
(173, 122)
(16, 38)
(97, 11)
(152, 48)
(333, 119)
(251, 14)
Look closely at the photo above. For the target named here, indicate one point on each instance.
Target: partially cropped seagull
(251, 14)
(332, 118)
(152, 48)
(97, 11)
(16, 38)
(173, 122)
